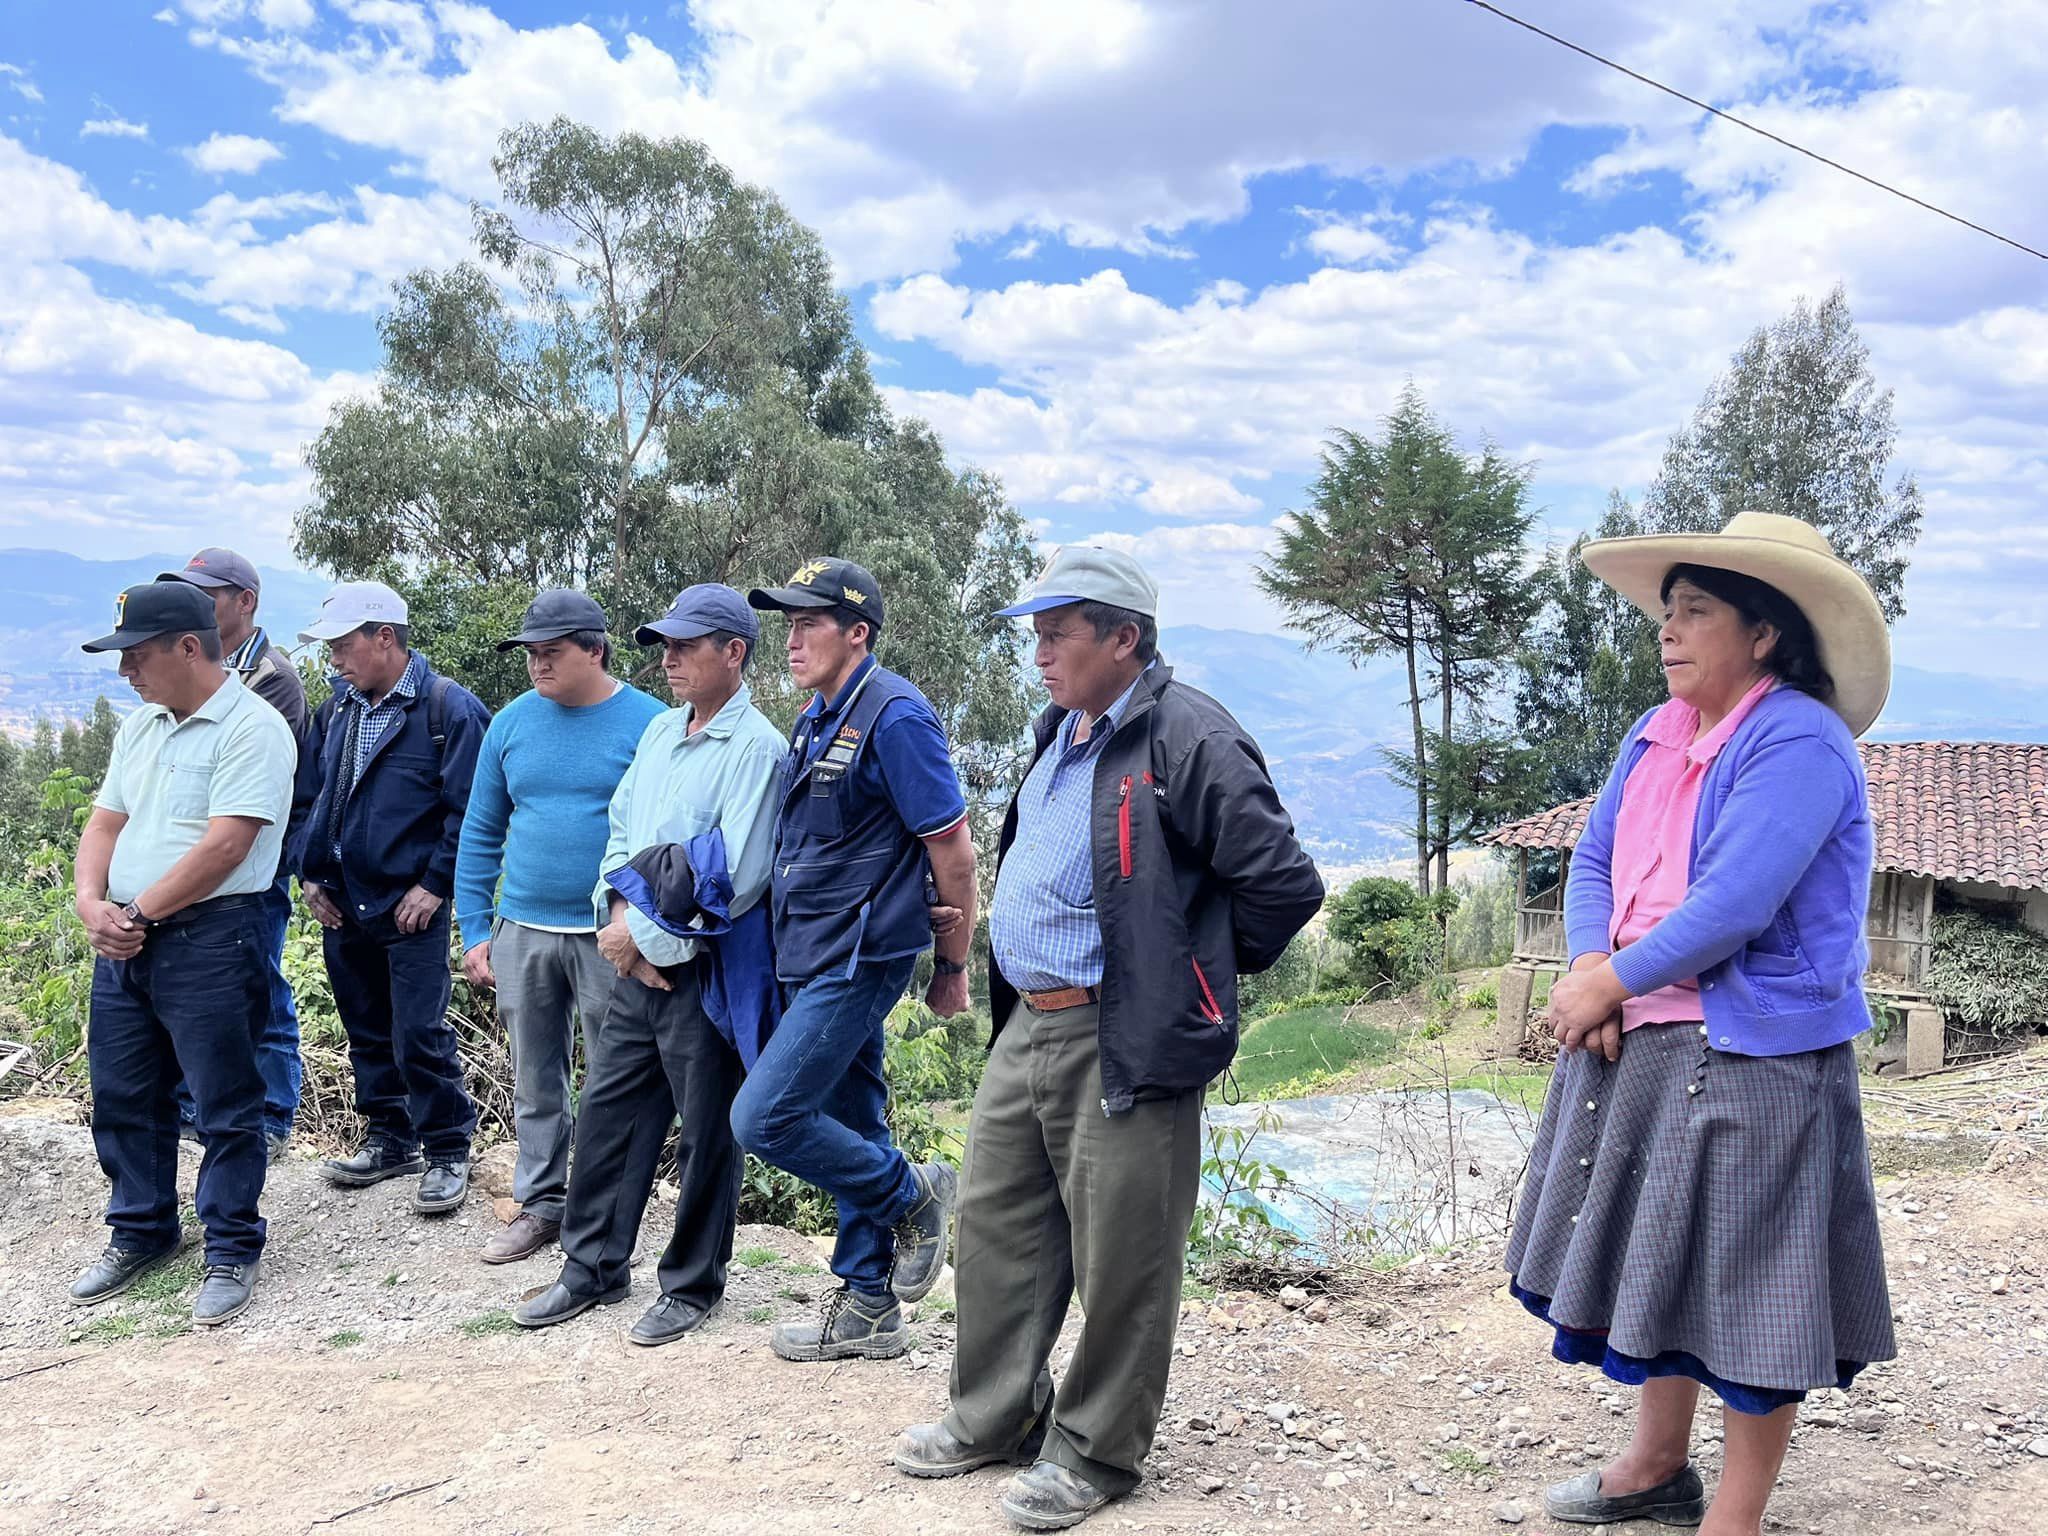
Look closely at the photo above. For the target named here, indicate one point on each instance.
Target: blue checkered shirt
(372, 722)
(1042, 925)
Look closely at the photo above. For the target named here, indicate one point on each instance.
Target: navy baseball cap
(152, 609)
(554, 614)
(217, 567)
(701, 610)
(826, 582)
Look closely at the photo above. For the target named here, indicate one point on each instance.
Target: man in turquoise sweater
(538, 817)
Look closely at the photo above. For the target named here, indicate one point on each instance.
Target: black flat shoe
(373, 1165)
(666, 1321)
(225, 1292)
(444, 1186)
(115, 1270)
(557, 1304)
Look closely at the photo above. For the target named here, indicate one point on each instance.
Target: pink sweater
(1653, 838)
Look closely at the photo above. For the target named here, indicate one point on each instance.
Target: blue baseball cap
(701, 610)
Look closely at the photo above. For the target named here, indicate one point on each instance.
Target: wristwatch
(134, 915)
(947, 967)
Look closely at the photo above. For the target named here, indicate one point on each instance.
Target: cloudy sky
(1134, 256)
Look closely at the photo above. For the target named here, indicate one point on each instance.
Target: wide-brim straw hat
(1796, 558)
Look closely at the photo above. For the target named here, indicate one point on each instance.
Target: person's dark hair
(844, 619)
(721, 637)
(1106, 620)
(1795, 659)
(401, 634)
(209, 642)
(595, 641)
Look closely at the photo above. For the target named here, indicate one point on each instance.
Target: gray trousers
(1059, 1199)
(547, 983)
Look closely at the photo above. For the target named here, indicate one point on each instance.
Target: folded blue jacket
(686, 889)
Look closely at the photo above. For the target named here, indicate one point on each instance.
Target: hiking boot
(117, 1269)
(931, 1450)
(921, 1234)
(444, 1186)
(666, 1321)
(274, 1143)
(1679, 1500)
(520, 1238)
(557, 1304)
(853, 1326)
(1047, 1497)
(373, 1165)
(225, 1292)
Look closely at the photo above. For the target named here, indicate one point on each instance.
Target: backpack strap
(437, 709)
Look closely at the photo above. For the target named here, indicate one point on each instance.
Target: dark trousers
(277, 1053)
(193, 1003)
(816, 1105)
(391, 990)
(657, 1057)
(1059, 1199)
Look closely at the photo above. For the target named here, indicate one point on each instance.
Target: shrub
(1990, 973)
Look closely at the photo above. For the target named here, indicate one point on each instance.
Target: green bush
(1990, 973)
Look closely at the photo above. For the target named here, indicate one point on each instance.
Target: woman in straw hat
(1699, 1208)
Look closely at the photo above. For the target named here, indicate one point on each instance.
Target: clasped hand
(1585, 1008)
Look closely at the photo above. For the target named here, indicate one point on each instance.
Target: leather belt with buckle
(1065, 997)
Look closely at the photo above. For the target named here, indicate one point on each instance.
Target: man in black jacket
(1145, 863)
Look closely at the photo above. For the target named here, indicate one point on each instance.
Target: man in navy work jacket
(871, 828)
(394, 748)
(1146, 862)
(234, 588)
(171, 873)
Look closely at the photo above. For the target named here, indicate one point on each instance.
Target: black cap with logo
(156, 608)
(826, 582)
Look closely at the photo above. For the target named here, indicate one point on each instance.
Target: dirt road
(377, 1365)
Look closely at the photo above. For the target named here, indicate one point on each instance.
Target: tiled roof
(1956, 810)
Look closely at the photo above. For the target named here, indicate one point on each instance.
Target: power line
(1918, 202)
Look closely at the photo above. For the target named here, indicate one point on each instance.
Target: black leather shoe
(666, 1321)
(373, 1165)
(557, 1304)
(225, 1292)
(444, 1186)
(921, 1234)
(931, 1450)
(1047, 1497)
(115, 1270)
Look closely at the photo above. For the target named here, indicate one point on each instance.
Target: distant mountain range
(1321, 722)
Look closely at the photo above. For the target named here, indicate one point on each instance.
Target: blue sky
(1136, 258)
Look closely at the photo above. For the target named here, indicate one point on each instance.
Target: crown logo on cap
(855, 597)
(807, 573)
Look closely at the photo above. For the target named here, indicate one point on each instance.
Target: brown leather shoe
(520, 1238)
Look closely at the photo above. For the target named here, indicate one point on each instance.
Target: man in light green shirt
(183, 841)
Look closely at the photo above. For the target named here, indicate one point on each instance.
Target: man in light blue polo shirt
(172, 868)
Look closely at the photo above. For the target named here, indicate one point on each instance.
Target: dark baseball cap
(826, 582)
(216, 567)
(554, 614)
(155, 608)
(702, 610)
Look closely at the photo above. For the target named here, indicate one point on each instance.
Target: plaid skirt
(1689, 1212)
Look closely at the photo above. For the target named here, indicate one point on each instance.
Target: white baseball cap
(1089, 573)
(352, 605)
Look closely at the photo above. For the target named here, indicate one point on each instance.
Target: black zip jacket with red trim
(1199, 879)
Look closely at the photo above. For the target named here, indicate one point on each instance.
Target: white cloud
(1353, 240)
(112, 128)
(232, 154)
(17, 80)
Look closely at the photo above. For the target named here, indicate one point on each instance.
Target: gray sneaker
(921, 1234)
(1679, 1500)
(853, 1326)
(225, 1292)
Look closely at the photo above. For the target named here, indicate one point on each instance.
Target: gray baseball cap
(702, 610)
(352, 605)
(554, 614)
(1088, 573)
(216, 567)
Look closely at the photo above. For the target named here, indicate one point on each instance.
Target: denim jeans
(192, 1003)
(391, 990)
(277, 1053)
(816, 1105)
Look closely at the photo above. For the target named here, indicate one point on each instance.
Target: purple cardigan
(1772, 922)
